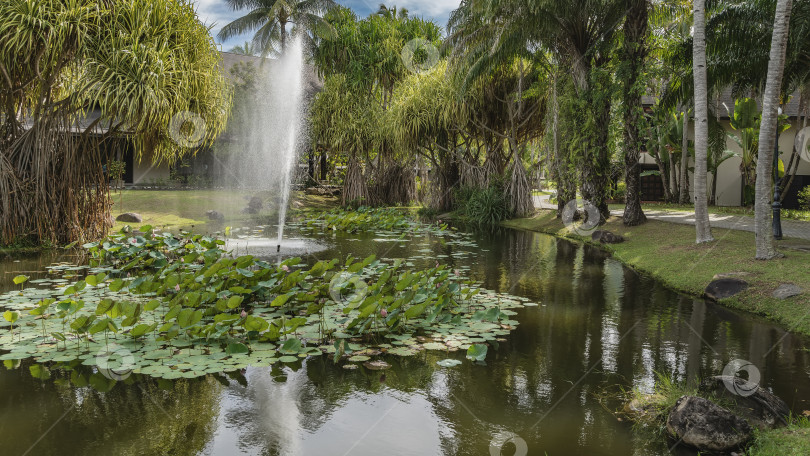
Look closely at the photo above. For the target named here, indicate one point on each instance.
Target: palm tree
(269, 18)
(244, 49)
(634, 53)
(766, 248)
(703, 229)
(579, 34)
(392, 12)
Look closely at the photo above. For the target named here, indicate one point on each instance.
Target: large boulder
(724, 288)
(606, 237)
(702, 424)
(786, 290)
(130, 217)
(758, 406)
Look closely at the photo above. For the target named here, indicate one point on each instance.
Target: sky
(218, 14)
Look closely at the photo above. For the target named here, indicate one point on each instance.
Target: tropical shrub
(487, 206)
(804, 198)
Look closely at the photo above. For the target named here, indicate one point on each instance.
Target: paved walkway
(790, 228)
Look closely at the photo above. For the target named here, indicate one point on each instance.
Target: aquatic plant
(180, 306)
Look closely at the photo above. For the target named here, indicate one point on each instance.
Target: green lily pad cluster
(170, 307)
(362, 219)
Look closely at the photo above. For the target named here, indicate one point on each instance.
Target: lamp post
(777, 205)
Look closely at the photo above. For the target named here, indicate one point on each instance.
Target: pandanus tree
(348, 123)
(368, 55)
(426, 115)
(270, 18)
(134, 64)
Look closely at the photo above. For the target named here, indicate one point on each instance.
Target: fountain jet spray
(271, 133)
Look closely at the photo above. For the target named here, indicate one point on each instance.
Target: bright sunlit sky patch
(218, 14)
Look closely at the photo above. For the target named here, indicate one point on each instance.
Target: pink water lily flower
(243, 314)
(177, 287)
(285, 268)
(383, 313)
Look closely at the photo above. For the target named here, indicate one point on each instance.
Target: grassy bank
(668, 252)
(650, 412)
(173, 209)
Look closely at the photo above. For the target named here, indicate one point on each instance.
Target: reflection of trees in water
(137, 419)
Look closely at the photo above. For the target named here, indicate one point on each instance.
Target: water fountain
(271, 136)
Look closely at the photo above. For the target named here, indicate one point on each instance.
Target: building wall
(147, 173)
(729, 183)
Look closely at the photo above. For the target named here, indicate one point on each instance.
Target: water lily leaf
(359, 358)
(11, 316)
(189, 317)
(280, 300)
(288, 359)
(237, 349)
(116, 285)
(448, 362)
(290, 347)
(20, 279)
(235, 301)
(477, 352)
(377, 364)
(257, 324)
(142, 329)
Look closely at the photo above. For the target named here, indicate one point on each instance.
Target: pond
(599, 329)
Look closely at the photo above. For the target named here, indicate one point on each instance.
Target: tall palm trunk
(673, 179)
(766, 248)
(683, 197)
(635, 51)
(702, 227)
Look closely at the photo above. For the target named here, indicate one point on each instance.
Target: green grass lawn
(174, 209)
(668, 252)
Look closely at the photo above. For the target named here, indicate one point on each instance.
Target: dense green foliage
(103, 69)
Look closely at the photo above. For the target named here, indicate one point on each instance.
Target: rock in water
(786, 290)
(255, 204)
(214, 215)
(724, 288)
(702, 424)
(758, 406)
(606, 237)
(130, 217)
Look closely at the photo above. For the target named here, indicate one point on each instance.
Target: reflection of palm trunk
(695, 340)
(283, 36)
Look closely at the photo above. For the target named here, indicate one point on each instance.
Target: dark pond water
(599, 329)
